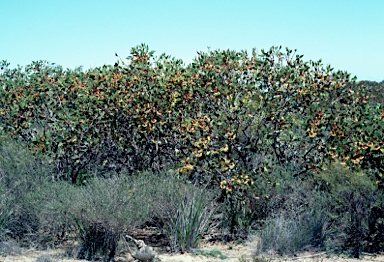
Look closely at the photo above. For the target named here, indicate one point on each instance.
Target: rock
(144, 252)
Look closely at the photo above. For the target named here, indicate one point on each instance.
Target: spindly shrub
(5, 210)
(103, 210)
(21, 173)
(351, 197)
(293, 216)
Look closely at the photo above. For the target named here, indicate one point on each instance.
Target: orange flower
(357, 159)
(225, 148)
(185, 169)
(333, 154)
(311, 133)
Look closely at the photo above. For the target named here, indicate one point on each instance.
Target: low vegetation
(267, 146)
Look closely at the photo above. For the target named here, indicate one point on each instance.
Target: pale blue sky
(348, 34)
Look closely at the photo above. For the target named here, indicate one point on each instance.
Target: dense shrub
(228, 120)
(226, 111)
(375, 89)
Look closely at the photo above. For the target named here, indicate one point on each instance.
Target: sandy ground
(229, 253)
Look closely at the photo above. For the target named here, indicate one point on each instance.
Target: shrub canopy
(228, 118)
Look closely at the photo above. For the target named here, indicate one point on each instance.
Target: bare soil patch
(208, 251)
(229, 252)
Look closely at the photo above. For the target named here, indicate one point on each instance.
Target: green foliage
(21, 173)
(97, 241)
(352, 197)
(226, 120)
(46, 212)
(284, 236)
(255, 259)
(375, 89)
(103, 210)
(338, 209)
(191, 220)
(288, 232)
(5, 210)
(40, 211)
(293, 218)
(5, 203)
(212, 253)
(113, 203)
(183, 210)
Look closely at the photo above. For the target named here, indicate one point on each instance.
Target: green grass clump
(184, 210)
(212, 253)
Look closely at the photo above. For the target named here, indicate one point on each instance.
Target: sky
(347, 34)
